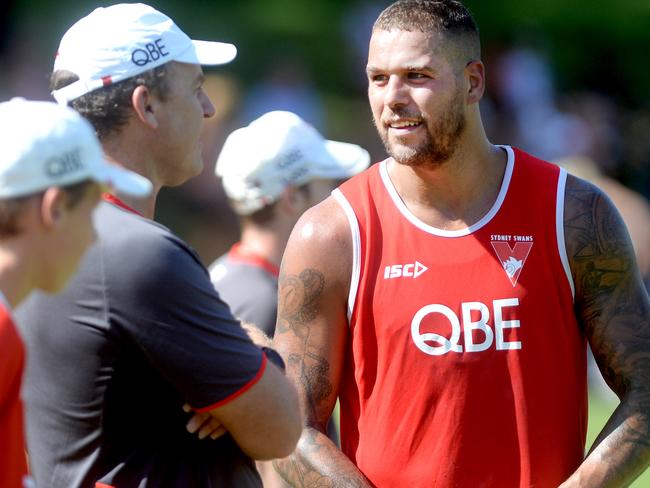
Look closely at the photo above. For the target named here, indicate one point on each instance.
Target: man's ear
(53, 207)
(145, 106)
(475, 73)
(290, 199)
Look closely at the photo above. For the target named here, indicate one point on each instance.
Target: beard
(442, 137)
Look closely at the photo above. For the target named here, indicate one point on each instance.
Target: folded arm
(265, 420)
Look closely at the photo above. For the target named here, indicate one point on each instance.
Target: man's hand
(204, 424)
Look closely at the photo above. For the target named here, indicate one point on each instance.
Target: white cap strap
(76, 89)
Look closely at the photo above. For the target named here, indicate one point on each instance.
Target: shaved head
(447, 18)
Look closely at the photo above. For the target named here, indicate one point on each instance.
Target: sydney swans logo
(512, 258)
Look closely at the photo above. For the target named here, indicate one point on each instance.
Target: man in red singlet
(51, 168)
(446, 295)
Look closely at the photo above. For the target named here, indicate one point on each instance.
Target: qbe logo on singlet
(436, 344)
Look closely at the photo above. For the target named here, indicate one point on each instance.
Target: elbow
(282, 430)
(277, 446)
(281, 449)
(287, 434)
(291, 439)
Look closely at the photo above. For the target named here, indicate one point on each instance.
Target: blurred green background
(317, 49)
(598, 43)
(590, 45)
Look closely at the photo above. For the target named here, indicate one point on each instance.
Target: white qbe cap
(278, 149)
(118, 42)
(43, 144)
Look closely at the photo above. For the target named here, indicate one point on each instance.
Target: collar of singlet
(109, 197)
(236, 254)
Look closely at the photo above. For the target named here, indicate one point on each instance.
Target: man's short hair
(447, 17)
(12, 208)
(108, 109)
(266, 214)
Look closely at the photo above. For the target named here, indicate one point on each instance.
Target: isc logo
(411, 270)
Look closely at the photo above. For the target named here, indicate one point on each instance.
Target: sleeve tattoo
(317, 463)
(298, 298)
(612, 306)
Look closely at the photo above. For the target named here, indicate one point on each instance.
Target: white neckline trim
(383, 171)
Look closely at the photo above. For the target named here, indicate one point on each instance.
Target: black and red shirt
(138, 332)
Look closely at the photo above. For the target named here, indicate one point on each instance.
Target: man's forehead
(403, 47)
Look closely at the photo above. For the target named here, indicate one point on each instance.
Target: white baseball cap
(43, 144)
(114, 43)
(278, 149)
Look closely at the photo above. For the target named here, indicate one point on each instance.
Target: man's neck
(263, 243)
(16, 280)
(119, 151)
(143, 206)
(456, 193)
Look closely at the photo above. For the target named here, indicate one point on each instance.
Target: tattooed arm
(613, 307)
(310, 334)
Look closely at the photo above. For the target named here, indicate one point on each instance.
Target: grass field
(599, 411)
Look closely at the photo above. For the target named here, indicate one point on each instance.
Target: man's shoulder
(226, 271)
(321, 240)
(115, 224)
(131, 238)
(323, 222)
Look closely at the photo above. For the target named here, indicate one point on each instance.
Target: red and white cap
(114, 43)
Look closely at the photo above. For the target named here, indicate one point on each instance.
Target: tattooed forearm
(317, 463)
(613, 308)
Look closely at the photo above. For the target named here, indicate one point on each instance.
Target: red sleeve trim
(239, 392)
(103, 485)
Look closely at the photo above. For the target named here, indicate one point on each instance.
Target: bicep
(172, 314)
(311, 328)
(611, 301)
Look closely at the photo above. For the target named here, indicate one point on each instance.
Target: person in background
(140, 330)
(51, 174)
(270, 183)
(447, 294)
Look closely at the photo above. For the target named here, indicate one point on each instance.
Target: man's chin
(407, 156)
(189, 172)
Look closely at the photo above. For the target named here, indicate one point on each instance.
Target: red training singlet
(13, 464)
(466, 366)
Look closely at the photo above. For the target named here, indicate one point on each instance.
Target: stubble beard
(442, 138)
